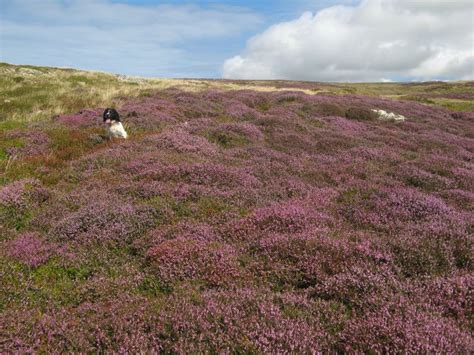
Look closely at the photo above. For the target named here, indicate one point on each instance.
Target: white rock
(389, 116)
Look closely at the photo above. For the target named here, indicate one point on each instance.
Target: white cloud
(373, 41)
(119, 37)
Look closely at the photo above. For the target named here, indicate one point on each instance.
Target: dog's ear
(105, 112)
(114, 115)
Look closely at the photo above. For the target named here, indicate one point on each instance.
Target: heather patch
(360, 114)
(82, 119)
(184, 259)
(98, 162)
(32, 143)
(288, 217)
(184, 230)
(451, 297)
(235, 134)
(238, 110)
(18, 199)
(143, 189)
(240, 221)
(30, 249)
(345, 124)
(104, 222)
(426, 235)
(182, 142)
(464, 177)
(150, 113)
(460, 198)
(413, 176)
(254, 99)
(322, 109)
(215, 175)
(400, 326)
(354, 286)
(109, 325)
(395, 208)
(433, 248)
(248, 320)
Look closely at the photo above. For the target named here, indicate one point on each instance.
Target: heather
(272, 221)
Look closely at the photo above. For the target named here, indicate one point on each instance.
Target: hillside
(239, 216)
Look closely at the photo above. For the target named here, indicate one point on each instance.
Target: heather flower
(239, 110)
(400, 326)
(252, 99)
(360, 114)
(82, 119)
(150, 114)
(18, 199)
(246, 130)
(186, 230)
(183, 258)
(119, 323)
(352, 287)
(21, 192)
(104, 222)
(182, 142)
(313, 233)
(465, 178)
(460, 198)
(216, 175)
(34, 143)
(30, 249)
(416, 177)
(247, 319)
(289, 217)
(396, 207)
(451, 296)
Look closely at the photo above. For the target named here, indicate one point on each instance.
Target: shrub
(245, 320)
(330, 109)
(31, 249)
(82, 119)
(187, 259)
(105, 222)
(34, 143)
(360, 114)
(182, 142)
(247, 131)
(289, 217)
(401, 327)
(18, 199)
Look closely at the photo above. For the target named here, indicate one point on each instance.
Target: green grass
(453, 104)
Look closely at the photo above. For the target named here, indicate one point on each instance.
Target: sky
(318, 40)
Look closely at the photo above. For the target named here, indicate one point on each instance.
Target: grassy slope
(284, 147)
(38, 94)
(30, 93)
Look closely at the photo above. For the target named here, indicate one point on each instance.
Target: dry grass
(36, 93)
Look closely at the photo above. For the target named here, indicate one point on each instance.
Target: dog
(114, 126)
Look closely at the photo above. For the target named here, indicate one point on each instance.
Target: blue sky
(267, 39)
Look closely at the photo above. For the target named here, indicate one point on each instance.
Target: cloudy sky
(327, 40)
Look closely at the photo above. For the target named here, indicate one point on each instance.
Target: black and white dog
(114, 126)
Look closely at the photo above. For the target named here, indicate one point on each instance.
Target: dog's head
(111, 116)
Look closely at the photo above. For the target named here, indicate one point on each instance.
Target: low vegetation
(239, 217)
